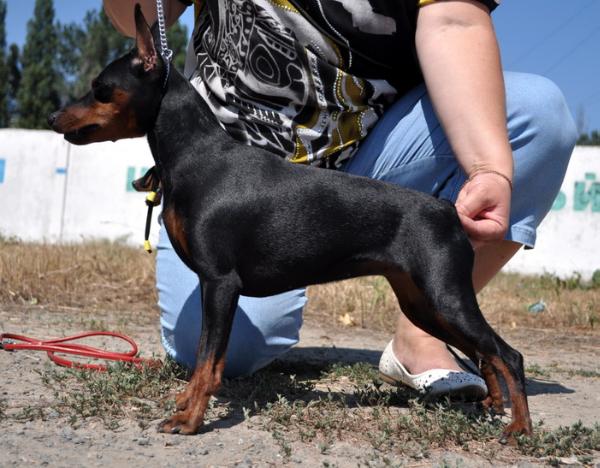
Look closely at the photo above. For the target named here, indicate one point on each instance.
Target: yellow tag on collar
(147, 246)
(151, 197)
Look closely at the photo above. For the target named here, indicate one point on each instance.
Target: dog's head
(125, 96)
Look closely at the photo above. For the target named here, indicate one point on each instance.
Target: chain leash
(165, 52)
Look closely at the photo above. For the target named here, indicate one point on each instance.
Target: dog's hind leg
(219, 302)
(494, 401)
(447, 309)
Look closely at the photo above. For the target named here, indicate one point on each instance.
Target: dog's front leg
(219, 301)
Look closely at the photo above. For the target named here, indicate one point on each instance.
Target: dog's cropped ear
(148, 182)
(144, 42)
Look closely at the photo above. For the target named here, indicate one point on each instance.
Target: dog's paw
(513, 429)
(179, 423)
(493, 405)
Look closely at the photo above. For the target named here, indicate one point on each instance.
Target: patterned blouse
(305, 79)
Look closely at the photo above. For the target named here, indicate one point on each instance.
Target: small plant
(30, 413)
(536, 370)
(280, 438)
(124, 389)
(360, 372)
(596, 279)
(9, 240)
(584, 373)
(562, 442)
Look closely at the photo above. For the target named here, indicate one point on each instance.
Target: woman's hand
(483, 206)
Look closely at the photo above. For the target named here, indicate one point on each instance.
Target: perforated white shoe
(434, 383)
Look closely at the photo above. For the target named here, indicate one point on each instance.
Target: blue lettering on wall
(587, 193)
(132, 174)
(2, 166)
(559, 202)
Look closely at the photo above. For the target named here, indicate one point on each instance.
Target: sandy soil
(570, 394)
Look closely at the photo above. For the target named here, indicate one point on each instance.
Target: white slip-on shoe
(434, 383)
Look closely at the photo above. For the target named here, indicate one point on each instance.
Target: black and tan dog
(248, 222)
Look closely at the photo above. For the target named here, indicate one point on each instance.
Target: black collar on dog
(167, 55)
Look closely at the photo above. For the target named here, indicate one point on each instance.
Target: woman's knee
(263, 328)
(538, 115)
(542, 135)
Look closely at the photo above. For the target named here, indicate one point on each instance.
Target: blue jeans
(406, 147)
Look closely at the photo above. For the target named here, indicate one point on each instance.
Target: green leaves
(38, 94)
(58, 62)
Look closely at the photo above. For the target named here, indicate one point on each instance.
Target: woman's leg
(263, 328)
(408, 147)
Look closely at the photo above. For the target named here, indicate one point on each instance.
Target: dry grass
(370, 302)
(103, 275)
(95, 275)
(569, 303)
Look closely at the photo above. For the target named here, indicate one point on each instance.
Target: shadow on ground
(318, 359)
(294, 376)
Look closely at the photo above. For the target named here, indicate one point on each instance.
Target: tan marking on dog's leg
(494, 400)
(176, 229)
(521, 420)
(195, 398)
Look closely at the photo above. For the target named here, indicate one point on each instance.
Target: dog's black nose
(52, 118)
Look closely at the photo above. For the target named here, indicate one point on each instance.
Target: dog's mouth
(80, 135)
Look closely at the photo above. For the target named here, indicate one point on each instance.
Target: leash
(165, 52)
(8, 342)
(152, 200)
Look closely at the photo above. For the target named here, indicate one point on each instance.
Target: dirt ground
(563, 388)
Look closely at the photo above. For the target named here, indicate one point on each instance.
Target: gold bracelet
(489, 171)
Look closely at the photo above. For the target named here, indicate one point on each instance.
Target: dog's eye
(102, 93)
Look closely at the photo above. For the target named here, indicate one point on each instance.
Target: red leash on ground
(62, 346)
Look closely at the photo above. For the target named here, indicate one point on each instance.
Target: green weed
(123, 390)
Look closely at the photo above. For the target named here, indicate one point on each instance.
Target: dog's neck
(185, 131)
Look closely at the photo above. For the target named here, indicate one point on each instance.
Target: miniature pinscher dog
(248, 222)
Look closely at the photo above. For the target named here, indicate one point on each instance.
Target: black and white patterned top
(305, 79)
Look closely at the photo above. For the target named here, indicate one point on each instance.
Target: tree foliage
(4, 116)
(591, 139)
(86, 49)
(38, 93)
(13, 64)
(177, 37)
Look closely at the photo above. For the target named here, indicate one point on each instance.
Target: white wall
(53, 191)
(568, 240)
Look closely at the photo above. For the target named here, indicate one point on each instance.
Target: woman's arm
(120, 13)
(460, 60)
